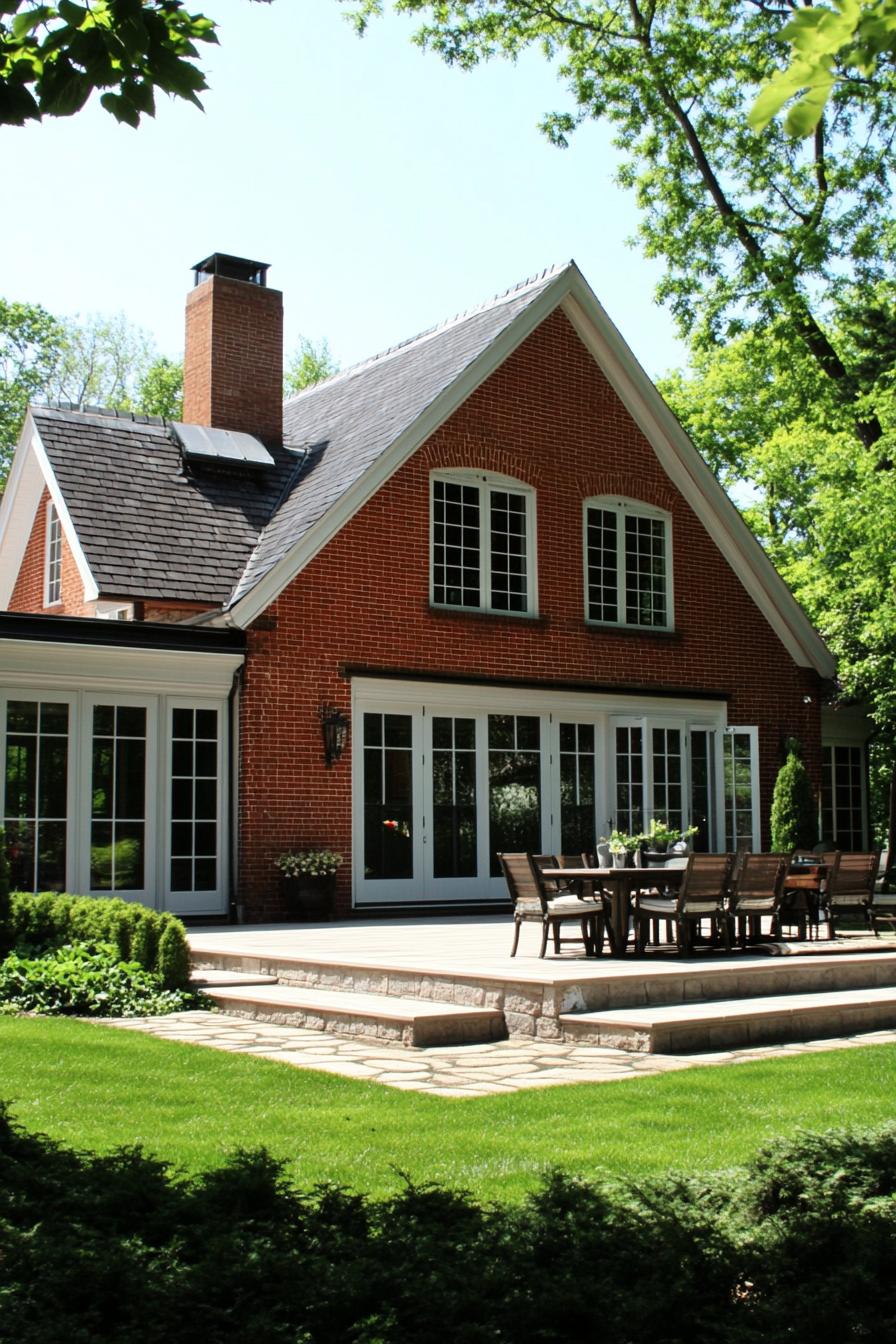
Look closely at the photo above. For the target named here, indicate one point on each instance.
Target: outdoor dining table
(620, 883)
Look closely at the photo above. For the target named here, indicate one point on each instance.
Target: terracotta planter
(308, 897)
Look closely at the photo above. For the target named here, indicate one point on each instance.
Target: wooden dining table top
(631, 876)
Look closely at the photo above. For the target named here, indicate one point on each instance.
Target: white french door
(442, 786)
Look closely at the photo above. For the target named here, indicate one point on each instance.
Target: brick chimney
(233, 356)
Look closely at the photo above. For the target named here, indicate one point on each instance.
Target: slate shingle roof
(149, 530)
(146, 528)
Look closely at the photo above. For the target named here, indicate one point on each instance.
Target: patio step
(700, 1026)
(220, 979)
(412, 1022)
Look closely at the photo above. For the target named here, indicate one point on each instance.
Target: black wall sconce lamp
(335, 729)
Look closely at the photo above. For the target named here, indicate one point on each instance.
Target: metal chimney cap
(231, 268)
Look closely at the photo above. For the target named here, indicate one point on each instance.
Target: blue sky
(387, 191)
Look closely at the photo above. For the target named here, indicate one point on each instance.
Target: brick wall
(233, 357)
(28, 593)
(548, 418)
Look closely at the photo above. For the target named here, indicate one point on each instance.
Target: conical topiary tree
(794, 813)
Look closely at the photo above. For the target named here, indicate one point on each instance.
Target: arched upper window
(483, 543)
(628, 563)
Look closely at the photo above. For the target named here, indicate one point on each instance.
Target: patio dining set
(703, 900)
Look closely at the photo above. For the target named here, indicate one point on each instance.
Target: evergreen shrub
(794, 815)
(50, 919)
(6, 932)
(798, 1247)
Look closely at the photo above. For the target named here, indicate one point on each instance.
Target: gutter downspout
(235, 904)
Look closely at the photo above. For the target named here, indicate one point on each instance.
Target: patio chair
(882, 906)
(534, 902)
(850, 887)
(757, 893)
(701, 896)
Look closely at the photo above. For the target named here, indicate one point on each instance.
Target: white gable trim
(677, 455)
(30, 473)
(688, 471)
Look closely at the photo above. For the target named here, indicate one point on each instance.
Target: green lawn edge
(95, 1087)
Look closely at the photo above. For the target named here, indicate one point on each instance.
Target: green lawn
(96, 1087)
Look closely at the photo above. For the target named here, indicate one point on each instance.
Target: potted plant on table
(660, 838)
(308, 881)
(622, 848)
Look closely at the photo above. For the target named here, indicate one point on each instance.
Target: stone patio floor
(456, 1070)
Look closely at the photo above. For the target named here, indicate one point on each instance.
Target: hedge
(796, 1248)
(158, 942)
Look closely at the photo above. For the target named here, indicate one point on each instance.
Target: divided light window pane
(626, 571)
(480, 542)
(54, 557)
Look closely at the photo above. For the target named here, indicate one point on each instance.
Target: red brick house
(489, 557)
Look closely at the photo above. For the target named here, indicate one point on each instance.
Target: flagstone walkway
(451, 1071)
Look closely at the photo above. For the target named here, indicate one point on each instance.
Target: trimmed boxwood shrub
(6, 933)
(797, 1248)
(158, 942)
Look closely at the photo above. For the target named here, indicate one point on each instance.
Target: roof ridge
(549, 271)
(107, 412)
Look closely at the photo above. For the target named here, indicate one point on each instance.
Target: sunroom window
(482, 547)
(628, 564)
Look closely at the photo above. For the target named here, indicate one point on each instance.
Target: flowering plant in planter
(309, 863)
(661, 835)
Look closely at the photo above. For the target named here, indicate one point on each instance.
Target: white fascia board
(439, 410)
(24, 488)
(693, 478)
(30, 473)
(43, 665)
(91, 590)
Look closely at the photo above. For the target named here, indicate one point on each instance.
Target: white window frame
(752, 733)
(627, 508)
(52, 557)
(487, 482)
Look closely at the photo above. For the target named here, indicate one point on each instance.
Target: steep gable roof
(147, 528)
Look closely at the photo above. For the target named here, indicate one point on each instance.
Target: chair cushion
(660, 906)
(562, 905)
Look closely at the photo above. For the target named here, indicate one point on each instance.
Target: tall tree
(160, 391)
(31, 341)
(754, 230)
(102, 361)
(311, 363)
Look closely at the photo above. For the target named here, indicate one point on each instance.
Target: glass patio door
(575, 771)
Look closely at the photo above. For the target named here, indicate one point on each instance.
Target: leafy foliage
(6, 932)
(31, 340)
(53, 57)
(311, 363)
(845, 43)
(794, 815)
(87, 979)
(156, 941)
(797, 1247)
(755, 231)
(160, 390)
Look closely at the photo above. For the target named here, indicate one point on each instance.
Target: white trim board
(30, 473)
